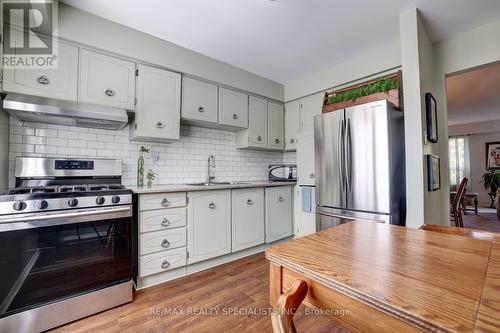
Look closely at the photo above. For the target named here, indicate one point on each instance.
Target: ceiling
(474, 96)
(285, 40)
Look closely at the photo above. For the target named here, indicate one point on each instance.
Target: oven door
(51, 257)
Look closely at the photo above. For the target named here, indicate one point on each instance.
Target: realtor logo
(29, 34)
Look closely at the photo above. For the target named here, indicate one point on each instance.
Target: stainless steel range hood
(54, 111)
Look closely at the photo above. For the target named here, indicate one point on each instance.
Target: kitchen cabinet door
(157, 114)
(278, 213)
(292, 124)
(233, 108)
(199, 101)
(247, 218)
(60, 83)
(305, 159)
(275, 126)
(106, 80)
(209, 224)
(310, 106)
(256, 134)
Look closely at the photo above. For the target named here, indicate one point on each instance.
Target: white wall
(478, 163)
(463, 51)
(474, 128)
(370, 63)
(85, 28)
(179, 162)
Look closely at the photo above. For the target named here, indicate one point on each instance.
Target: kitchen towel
(307, 193)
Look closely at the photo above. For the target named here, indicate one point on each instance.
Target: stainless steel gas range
(65, 242)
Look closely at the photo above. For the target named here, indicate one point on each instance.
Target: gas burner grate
(76, 188)
(20, 190)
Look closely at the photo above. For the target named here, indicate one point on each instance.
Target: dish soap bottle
(140, 166)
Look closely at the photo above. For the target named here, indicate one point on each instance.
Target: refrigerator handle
(348, 160)
(340, 156)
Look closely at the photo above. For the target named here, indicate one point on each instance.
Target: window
(459, 160)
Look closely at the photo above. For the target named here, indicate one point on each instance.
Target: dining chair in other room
(455, 211)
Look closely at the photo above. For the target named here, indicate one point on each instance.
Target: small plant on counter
(151, 177)
(382, 85)
(140, 166)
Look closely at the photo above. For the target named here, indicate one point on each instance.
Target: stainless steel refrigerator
(360, 165)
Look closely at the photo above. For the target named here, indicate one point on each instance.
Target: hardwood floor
(240, 285)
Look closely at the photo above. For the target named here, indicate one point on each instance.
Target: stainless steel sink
(216, 183)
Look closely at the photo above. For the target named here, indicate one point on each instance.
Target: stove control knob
(115, 199)
(73, 202)
(100, 200)
(19, 205)
(42, 204)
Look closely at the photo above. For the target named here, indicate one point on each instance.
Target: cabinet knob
(235, 116)
(165, 202)
(292, 140)
(201, 109)
(159, 124)
(259, 138)
(311, 175)
(249, 202)
(42, 79)
(165, 222)
(277, 140)
(165, 243)
(109, 92)
(211, 205)
(280, 198)
(165, 264)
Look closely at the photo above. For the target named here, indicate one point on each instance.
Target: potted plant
(491, 182)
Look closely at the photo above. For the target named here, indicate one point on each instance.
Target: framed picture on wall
(433, 173)
(492, 155)
(431, 116)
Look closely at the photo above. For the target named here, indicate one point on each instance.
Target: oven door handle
(35, 221)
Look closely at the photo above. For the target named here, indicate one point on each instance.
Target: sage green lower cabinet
(278, 213)
(247, 218)
(209, 224)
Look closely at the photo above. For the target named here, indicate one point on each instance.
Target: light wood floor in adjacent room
(240, 284)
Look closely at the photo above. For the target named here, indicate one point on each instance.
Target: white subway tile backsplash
(179, 162)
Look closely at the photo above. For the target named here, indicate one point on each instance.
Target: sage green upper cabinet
(157, 113)
(256, 134)
(60, 83)
(292, 124)
(199, 101)
(310, 106)
(233, 108)
(106, 80)
(275, 125)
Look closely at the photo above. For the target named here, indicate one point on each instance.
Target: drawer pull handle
(259, 138)
(165, 222)
(277, 140)
(211, 205)
(249, 202)
(165, 202)
(165, 243)
(235, 116)
(109, 92)
(292, 140)
(311, 175)
(280, 198)
(165, 264)
(42, 79)
(160, 124)
(201, 109)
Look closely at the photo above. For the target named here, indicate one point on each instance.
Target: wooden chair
(282, 317)
(455, 209)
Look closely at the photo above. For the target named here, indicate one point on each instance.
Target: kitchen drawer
(155, 220)
(162, 240)
(162, 261)
(162, 200)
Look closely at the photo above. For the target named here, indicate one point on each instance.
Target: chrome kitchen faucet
(211, 169)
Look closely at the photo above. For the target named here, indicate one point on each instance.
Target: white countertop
(187, 188)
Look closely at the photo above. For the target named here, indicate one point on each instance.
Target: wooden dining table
(374, 277)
